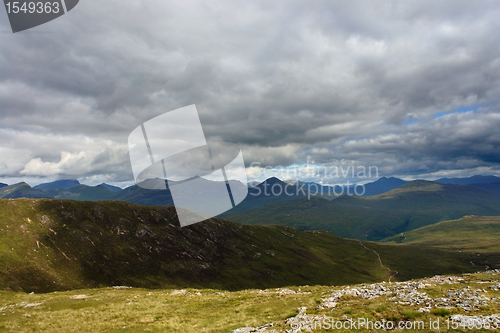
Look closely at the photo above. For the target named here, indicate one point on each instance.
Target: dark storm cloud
(336, 81)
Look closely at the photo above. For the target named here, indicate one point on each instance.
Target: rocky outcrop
(411, 293)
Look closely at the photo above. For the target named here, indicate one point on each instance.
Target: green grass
(209, 310)
(141, 310)
(476, 236)
(347, 311)
(470, 233)
(412, 314)
(441, 312)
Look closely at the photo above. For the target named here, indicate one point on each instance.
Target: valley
(410, 206)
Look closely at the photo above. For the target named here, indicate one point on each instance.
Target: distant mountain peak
(62, 184)
(383, 185)
(385, 179)
(111, 187)
(21, 184)
(272, 181)
(418, 183)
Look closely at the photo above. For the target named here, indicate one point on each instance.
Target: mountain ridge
(477, 179)
(62, 184)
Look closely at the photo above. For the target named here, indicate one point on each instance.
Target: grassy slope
(470, 233)
(409, 207)
(47, 245)
(60, 244)
(475, 235)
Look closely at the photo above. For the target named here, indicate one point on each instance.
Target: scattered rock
(79, 297)
(244, 330)
(23, 304)
(428, 310)
(365, 292)
(284, 291)
(406, 293)
(260, 329)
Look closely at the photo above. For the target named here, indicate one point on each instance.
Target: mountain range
(390, 205)
(72, 189)
(474, 180)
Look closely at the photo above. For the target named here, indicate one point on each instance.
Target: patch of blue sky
(458, 110)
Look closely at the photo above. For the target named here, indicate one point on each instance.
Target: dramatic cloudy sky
(412, 87)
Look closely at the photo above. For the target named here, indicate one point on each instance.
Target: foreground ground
(123, 309)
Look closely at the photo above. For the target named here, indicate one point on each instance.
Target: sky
(409, 87)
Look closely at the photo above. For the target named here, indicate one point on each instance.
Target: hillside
(479, 234)
(492, 188)
(52, 245)
(411, 206)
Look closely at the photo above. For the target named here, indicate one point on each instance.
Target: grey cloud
(285, 79)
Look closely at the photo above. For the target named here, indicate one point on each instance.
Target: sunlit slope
(470, 233)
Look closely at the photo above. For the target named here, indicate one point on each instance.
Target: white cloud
(36, 167)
